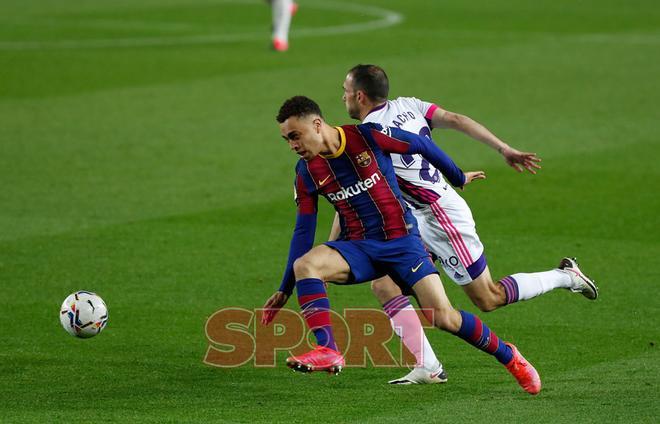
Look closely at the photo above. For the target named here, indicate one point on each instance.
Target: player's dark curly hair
(298, 106)
(372, 80)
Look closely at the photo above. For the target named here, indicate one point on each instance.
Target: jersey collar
(379, 107)
(342, 145)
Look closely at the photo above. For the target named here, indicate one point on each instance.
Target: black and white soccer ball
(84, 314)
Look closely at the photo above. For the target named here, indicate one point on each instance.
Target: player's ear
(317, 125)
(361, 97)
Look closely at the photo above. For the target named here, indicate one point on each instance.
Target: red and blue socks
(315, 308)
(480, 336)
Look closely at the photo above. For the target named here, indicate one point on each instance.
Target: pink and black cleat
(524, 372)
(320, 359)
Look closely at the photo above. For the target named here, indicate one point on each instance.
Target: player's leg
(484, 293)
(413, 267)
(488, 295)
(281, 15)
(448, 230)
(470, 328)
(338, 264)
(450, 233)
(525, 286)
(408, 327)
(320, 264)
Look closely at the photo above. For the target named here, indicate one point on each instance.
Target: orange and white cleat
(524, 372)
(320, 359)
(280, 45)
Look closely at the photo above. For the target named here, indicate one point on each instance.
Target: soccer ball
(83, 314)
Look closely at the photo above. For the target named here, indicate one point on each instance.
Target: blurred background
(140, 159)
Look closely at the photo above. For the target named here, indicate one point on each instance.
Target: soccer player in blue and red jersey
(350, 166)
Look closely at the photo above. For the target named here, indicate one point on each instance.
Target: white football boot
(421, 375)
(581, 283)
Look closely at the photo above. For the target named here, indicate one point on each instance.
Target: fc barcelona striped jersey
(359, 181)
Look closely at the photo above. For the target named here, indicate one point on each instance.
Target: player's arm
(301, 242)
(441, 118)
(395, 140)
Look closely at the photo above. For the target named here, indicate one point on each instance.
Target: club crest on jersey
(363, 159)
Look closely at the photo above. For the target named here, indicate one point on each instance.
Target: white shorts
(448, 231)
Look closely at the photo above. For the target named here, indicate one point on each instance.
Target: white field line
(384, 18)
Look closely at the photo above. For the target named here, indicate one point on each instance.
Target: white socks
(408, 327)
(281, 12)
(527, 286)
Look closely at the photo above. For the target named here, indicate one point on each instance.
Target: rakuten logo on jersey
(354, 190)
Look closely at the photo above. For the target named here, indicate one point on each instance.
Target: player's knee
(303, 267)
(485, 304)
(487, 297)
(384, 290)
(446, 319)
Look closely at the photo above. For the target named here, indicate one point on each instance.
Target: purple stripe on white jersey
(418, 194)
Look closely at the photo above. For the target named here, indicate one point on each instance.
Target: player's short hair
(372, 80)
(298, 106)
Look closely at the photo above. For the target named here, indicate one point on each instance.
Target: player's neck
(370, 107)
(331, 140)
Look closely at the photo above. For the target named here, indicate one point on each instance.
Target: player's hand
(473, 175)
(521, 160)
(273, 306)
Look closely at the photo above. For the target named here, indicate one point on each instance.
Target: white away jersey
(420, 182)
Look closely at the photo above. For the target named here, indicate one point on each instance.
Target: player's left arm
(301, 242)
(442, 118)
(395, 140)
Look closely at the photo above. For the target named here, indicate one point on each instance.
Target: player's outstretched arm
(301, 242)
(521, 160)
(516, 159)
(395, 140)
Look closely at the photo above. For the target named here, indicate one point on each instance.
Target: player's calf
(484, 293)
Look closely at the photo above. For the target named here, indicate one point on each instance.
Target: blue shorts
(404, 259)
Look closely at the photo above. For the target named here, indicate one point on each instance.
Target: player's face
(303, 135)
(350, 98)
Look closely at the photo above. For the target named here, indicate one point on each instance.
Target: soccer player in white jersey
(444, 218)
(282, 11)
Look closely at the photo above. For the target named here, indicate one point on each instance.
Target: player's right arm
(301, 242)
(442, 118)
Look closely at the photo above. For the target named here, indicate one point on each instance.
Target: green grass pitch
(139, 158)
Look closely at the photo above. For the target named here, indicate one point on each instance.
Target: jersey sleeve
(426, 109)
(395, 140)
(304, 231)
